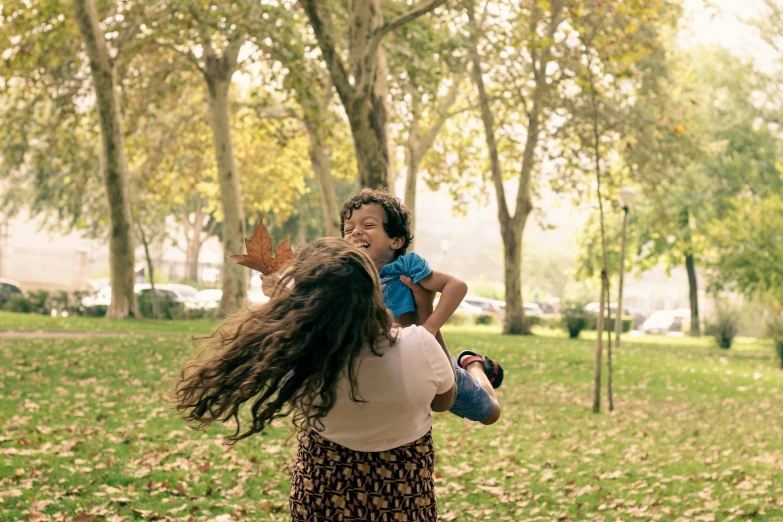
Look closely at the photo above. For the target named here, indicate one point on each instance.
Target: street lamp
(627, 195)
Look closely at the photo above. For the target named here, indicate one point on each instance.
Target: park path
(56, 334)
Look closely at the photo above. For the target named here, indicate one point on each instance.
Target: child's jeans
(472, 401)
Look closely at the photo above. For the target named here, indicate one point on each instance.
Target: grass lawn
(697, 433)
(14, 321)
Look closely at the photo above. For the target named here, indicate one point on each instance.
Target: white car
(469, 309)
(486, 304)
(100, 298)
(205, 300)
(665, 321)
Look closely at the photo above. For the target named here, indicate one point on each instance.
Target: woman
(324, 349)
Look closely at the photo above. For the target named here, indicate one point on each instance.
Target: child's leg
(476, 399)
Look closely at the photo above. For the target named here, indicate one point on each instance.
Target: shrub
(458, 319)
(93, 311)
(169, 309)
(19, 304)
(551, 321)
(485, 319)
(573, 320)
(726, 326)
(533, 319)
(775, 331)
(39, 302)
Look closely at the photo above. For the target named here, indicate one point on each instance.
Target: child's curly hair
(398, 217)
(290, 354)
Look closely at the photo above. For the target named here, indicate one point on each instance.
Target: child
(379, 224)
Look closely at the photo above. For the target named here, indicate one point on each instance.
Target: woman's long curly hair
(290, 354)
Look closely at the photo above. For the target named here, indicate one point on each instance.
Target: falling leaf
(259, 252)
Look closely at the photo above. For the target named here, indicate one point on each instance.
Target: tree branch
(443, 114)
(126, 36)
(411, 15)
(375, 41)
(231, 53)
(188, 55)
(333, 61)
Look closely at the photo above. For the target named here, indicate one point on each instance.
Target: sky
(721, 22)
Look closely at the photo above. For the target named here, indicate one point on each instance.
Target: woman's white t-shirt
(397, 389)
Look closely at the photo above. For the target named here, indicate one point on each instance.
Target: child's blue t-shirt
(398, 297)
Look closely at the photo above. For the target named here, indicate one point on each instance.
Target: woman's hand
(269, 282)
(422, 298)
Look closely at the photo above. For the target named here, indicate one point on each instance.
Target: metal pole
(618, 317)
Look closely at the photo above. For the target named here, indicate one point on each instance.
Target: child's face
(364, 230)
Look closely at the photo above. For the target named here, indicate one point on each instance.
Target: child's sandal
(492, 369)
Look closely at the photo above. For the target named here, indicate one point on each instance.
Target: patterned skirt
(334, 483)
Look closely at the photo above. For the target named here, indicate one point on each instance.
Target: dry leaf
(259, 252)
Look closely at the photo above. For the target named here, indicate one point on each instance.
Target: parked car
(170, 292)
(532, 308)
(596, 306)
(487, 305)
(8, 289)
(176, 293)
(186, 291)
(205, 300)
(100, 298)
(469, 309)
(665, 321)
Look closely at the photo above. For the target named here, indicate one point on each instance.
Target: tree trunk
(418, 145)
(599, 347)
(113, 162)
(194, 241)
(618, 317)
(411, 182)
(367, 122)
(412, 159)
(693, 290)
(301, 229)
(609, 376)
(321, 165)
(233, 276)
(514, 319)
(693, 283)
(151, 272)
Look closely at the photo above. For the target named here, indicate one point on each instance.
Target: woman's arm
(423, 299)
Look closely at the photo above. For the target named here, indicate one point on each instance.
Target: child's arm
(452, 291)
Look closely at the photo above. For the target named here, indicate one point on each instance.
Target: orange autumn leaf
(259, 252)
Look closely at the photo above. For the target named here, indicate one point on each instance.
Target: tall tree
(211, 40)
(45, 59)
(537, 39)
(361, 83)
(427, 71)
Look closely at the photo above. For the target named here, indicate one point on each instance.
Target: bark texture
(361, 85)
(194, 240)
(234, 277)
(419, 142)
(322, 168)
(693, 282)
(151, 277)
(113, 162)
